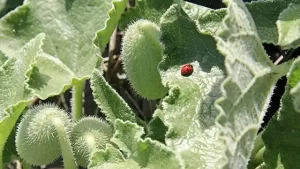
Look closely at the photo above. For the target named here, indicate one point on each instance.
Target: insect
(186, 70)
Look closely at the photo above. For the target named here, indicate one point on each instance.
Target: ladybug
(187, 70)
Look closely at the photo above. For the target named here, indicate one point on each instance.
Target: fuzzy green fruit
(89, 134)
(37, 140)
(142, 52)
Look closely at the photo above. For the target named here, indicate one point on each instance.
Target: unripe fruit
(142, 52)
(37, 139)
(88, 134)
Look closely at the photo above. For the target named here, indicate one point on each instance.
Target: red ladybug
(187, 70)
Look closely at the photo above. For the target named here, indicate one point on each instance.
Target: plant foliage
(208, 119)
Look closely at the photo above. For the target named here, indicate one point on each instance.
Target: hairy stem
(65, 144)
(77, 104)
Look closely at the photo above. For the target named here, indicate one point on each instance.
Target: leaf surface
(288, 27)
(70, 27)
(265, 14)
(147, 153)
(188, 111)
(282, 135)
(248, 87)
(145, 9)
(110, 102)
(14, 91)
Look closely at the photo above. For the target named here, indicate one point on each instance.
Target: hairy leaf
(146, 152)
(109, 155)
(145, 9)
(282, 135)
(111, 104)
(264, 12)
(248, 86)
(126, 164)
(14, 91)
(288, 27)
(70, 27)
(3, 58)
(188, 111)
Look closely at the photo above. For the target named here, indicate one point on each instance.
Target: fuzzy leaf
(145, 9)
(14, 90)
(248, 87)
(189, 111)
(115, 13)
(207, 20)
(294, 82)
(70, 27)
(3, 58)
(146, 152)
(109, 155)
(288, 27)
(110, 102)
(264, 13)
(126, 164)
(282, 135)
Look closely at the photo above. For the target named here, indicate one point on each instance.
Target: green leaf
(188, 111)
(157, 130)
(282, 135)
(110, 102)
(145, 9)
(14, 90)
(109, 155)
(70, 27)
(207, 20)
(146, 152)
(294, 82)
(248, 87)
(126, 164)
(288, 27)
(115, 13)
(3, 58)
(126, 136)
(265, 14)
(7, 5)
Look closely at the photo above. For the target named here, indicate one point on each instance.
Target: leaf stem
(65, 144)
(77, 96)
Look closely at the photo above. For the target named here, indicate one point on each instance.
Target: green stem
(77, 104)
(65, 144)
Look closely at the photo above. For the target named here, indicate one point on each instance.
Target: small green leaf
(146, 152)
(248, 87)
(111, 104)
(145, 9)
(126, 136)
(282, 135)
(126, 164)
(288, 27)
(69, 49)
(188, 111)
(109, 155)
